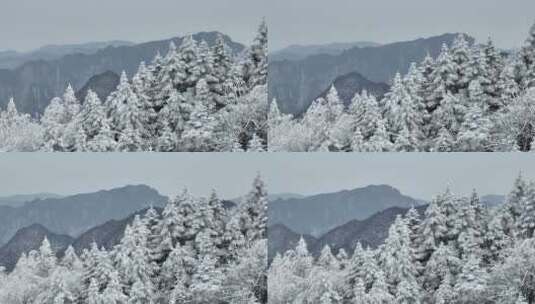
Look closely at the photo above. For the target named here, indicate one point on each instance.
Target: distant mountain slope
(298, 52)
(28, 239)
(283, 196)
(317, 214)
(102, 84)
(13, 59)
(105, 235)
(110, 233)
(74, 214)
(369, 232)
(349, 84)
(35, 83)
(493, 200)
(281, 239)
(21, 199)
(296, 83)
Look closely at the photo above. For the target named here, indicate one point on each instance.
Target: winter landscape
(131, 244)
(373, 244)
(439, 93)
(200, 91)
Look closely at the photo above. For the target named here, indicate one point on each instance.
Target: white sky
(29, 24)
(318, 21)
(421, 175)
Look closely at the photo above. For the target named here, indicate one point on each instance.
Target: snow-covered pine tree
(126, 118)
(527, 218)
(255, 66)
(525, 62)
(92, 115)
(471, 282)
(252, 212)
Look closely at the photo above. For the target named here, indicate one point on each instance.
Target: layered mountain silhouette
(295, 83)
(282, 239)
(12, 59)
(370, 232)
(72, 215)
(492, 200)
(349, 84)
(34, 83)
(21, 199)
(297, 52)
(105, 235)
(102, 84)
(315, 215)
(30, 238)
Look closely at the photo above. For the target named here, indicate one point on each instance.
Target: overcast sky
(421, 175)
(28, 24)
(318, 21)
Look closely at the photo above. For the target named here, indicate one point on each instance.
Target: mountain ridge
(74, 214)
(32, 86)
(10, 59)
(21, 199)
(295, 84)
(300, 51)
(30, 238)
(319, 213)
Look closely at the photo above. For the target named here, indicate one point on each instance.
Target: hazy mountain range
(102, 216)
(371, 232)
(21, 199)
(297, 52)
(368, 229)
(30, 238)
(317, 214)
(111, 210)
(297, 82)
(72, 215)
(349, 84)
(10, 59)
(35, 82)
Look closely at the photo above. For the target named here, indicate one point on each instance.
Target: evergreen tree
(471, 283)
(255, 67)
(527, 218)
(124, 110)
(92, 115)
(524, 67)
(253, 212)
